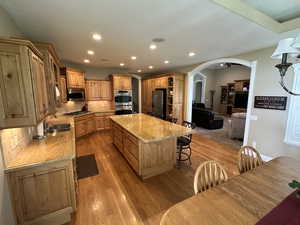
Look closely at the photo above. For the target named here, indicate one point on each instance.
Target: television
(241, 100)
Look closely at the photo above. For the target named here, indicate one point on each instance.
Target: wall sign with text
(270, 102)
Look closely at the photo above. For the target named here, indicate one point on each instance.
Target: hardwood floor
(117, 196)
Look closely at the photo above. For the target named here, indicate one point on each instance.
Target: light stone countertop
(55, 147)
(150, 129)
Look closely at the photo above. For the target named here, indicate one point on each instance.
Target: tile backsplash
(13, 140)
(95, 106)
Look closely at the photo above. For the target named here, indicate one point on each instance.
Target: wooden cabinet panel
(107, 123)
(41, 192)
(91, 126)
(81, 128)
(121, 82)
(96, 90)
(63, 89)
(39, 79)
(17, 105)
(105, 90)
(75, 78)
(100, 123)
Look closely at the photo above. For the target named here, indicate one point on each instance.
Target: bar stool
(184, 149)
(172, 120)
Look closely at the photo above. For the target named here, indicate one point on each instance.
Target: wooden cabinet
(103, 122)
(51, 67)
(175, 94)
(75, 78)
(98, 90)
(63, 89)
(121, 82)
(44, 194)
(23, 96)
(92, 122)
(84, 125)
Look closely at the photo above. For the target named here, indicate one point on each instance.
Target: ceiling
(282, 11)
(127, 28)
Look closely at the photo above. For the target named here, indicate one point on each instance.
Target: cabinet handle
(9, 75)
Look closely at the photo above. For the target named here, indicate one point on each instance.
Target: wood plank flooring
(118, 197)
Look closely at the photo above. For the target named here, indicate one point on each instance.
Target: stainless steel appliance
(76, 94)
(123, 101)
(159, 106)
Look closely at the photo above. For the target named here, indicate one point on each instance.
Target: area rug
(86, 166)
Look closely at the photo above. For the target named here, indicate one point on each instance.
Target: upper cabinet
(98, 90)
(75, 78)
(51, 64)
(121, 82)
(23, 99)
(63, 89)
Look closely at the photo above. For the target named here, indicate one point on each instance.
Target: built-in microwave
(76, 94)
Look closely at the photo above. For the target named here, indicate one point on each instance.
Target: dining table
(242, 200)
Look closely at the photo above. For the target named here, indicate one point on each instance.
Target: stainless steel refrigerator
(159, 101)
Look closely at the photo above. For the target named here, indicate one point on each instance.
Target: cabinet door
(164, 82)
(50, 81)
(72, 79)
(80, 80)
(81, 128)
(63, 89)
(40, 93)
(178, 112)
(126, 83)
(107, 123)
(39, 192)
(117, 83)
(16, 95)
(105, 90)
(178, 91)
(100, 124)
(91, 126)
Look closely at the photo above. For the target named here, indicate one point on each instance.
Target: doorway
(190, 88)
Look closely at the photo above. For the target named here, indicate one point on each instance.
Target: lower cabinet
(44, 194)
(90, 123)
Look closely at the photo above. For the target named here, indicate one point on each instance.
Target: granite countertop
(150, 129)
(55, 147)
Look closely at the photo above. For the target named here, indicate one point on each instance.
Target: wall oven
(123, 101)
(76, 94)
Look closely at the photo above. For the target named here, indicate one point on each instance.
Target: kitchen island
(148, 144)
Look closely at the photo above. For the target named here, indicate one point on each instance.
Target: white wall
(269, 130)
(7, 29)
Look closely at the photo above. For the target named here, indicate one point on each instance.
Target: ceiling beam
(243, 9)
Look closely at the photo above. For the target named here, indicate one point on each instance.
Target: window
(292, 134)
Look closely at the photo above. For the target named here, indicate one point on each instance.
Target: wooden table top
(242, 200)
(148, 128)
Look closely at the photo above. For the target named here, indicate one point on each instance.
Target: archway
(189, 87)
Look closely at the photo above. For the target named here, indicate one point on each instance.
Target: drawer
(104, 114)
(84, 117)
(118, 143)
(132, 161)
(131, 138)
(131, 148)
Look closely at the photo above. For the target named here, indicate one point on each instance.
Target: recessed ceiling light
(222, 64)
(86, 61)
(139, 71)
(191, 54)
(90, 52)
(150, 67)
(153, 47)
(167, 62)
(97, 37)
(122, 64)
(133, 57)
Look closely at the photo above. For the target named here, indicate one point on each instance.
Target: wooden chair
(209, 174)
(248, 159)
